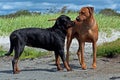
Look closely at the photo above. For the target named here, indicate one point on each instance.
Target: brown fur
(85, 30)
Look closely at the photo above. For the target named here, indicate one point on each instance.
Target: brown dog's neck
(89, 22)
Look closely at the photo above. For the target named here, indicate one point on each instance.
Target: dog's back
(36, 37)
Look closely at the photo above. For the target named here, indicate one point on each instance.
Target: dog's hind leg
(62, 55)
(18, 51)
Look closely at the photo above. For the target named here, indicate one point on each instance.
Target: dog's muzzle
(71, 24)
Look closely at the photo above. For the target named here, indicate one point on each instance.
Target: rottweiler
(51, 39)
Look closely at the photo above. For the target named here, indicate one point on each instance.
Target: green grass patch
(28, 53)
(2, 51)
(109, 49)
(31, 53)
(7, 25)
(107, 23)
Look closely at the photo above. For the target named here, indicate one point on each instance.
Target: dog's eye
(82, 13)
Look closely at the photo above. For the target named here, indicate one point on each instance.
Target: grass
(108, 23)
(28, 53)
(2, 52)
(7, 25)
(105, 23)
(109, 49)
(33, 53)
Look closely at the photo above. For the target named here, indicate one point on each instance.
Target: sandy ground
(44, 68)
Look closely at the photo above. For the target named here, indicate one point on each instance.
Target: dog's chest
(86, 35)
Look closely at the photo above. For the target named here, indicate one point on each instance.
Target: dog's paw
(69, 69)
(59, 68)
(84, 67)
(94, 66)
(16, 72)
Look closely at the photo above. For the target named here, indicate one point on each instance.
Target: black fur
(52, 39)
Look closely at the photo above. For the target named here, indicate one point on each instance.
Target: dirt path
(44, 69)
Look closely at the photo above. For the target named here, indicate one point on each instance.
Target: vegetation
(20, 13)
(33, 53)
(109, 49)
(2, 52)
(109, 12)
(107, 23)
(28, 53)
(109, 20)
(7, 25)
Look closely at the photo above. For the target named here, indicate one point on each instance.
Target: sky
(11, 6)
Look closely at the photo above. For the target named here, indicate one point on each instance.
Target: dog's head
(85, 13)
(64, 22)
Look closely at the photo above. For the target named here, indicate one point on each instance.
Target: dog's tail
(13, 39)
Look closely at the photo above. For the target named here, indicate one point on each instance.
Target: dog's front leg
(79, 55)
(82, 44)
(94, 55)
(62, 55)
(79, 52)
(69, 40)
(57, 61)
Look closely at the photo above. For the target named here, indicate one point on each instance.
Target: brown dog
(85, 30)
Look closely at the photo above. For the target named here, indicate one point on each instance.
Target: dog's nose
(77, 18)
(72, 23)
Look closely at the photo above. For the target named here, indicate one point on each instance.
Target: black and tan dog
(52, 39)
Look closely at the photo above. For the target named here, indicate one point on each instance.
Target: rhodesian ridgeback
(85, 30)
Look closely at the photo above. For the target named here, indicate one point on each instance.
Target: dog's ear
(91, 10)
(57, 22)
